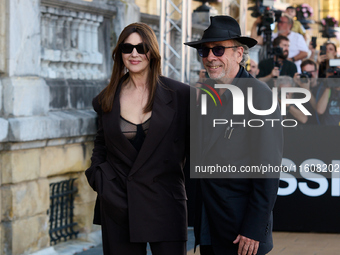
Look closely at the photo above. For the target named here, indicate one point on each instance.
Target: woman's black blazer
(144, 191)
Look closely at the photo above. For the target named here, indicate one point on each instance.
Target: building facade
(55, 56)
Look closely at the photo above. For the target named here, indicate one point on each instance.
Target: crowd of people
(306, 65)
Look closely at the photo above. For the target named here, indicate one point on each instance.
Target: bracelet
(293, 59)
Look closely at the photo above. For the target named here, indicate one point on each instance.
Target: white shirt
(296, 44)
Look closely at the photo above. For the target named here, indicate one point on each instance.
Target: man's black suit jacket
(240, 205)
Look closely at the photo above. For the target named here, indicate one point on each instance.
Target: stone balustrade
(69, 44)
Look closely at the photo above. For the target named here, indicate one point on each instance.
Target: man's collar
(240, 72)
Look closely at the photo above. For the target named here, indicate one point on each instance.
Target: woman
(323, 60)
(139, 152)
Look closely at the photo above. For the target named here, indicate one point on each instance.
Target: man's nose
(210, 55)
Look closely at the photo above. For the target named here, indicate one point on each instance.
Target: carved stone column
(81, 33)
(74, 33)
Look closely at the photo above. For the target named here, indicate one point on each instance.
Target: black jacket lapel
(161, 119)
(115, 134)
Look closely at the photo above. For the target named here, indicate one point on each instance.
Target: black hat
(223, 28)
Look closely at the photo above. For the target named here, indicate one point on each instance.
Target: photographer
(253, 68)
(291, 110)
(329, 103)
(277, 65)
(324, 57)
(308, 79)
(298, 49)
(297, 26)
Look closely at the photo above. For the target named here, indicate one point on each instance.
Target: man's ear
(240, 51)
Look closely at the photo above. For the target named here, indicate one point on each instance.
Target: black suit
(143, 192)
(240, 205)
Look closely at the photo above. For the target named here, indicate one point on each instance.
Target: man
(298, 49)
(234, 215)
(309, 67)
(292, 111)
(254, 68)
(278, 65)
(297, 26)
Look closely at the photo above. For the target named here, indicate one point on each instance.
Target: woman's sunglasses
(218, 51)
(127, 48)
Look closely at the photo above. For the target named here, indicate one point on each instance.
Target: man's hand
(297, 80)
(253, 32)
(201, 75)
(275, 72)
(258, 20)
(310, 47)
(246, 246)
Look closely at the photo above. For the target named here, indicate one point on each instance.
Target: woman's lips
(134, 62)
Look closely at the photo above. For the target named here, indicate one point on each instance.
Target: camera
(278, 64)
(268, 17)
(277, 51)
(334, 69)
(330, 81)
(305, 76)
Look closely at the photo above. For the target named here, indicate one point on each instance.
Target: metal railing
(61, 211)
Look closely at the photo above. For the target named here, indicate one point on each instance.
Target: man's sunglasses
(127, 48)
(218, 51)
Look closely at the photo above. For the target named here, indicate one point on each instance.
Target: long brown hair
(149, 41)
(336, 56)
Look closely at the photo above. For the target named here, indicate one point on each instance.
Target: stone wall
(26, 175)
(56, 59)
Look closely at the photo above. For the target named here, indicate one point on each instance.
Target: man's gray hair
(284, 79)
(245, 52)
(290, 20)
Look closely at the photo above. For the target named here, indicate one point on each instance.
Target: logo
(204, 97)
(238, 100)
(239, 103)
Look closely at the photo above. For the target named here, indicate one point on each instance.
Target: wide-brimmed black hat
(222, 28)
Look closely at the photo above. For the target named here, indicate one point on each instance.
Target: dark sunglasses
(218, 51)
(127, 48)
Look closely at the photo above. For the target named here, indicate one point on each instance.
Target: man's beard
(284, 55)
